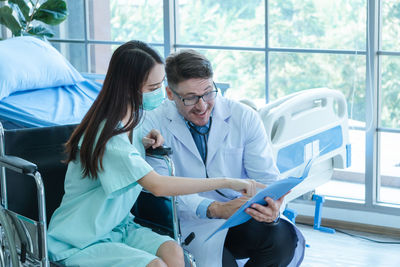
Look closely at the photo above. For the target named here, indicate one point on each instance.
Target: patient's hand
(224, 210)
(153, 139)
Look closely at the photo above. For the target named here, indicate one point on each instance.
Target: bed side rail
(307, 124)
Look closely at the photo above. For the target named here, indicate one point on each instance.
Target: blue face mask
(153, 99)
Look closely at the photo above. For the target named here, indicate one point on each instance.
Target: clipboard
(274, 191)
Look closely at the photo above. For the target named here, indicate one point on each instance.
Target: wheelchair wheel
(2, 257)
(9, 255)
(189, 259)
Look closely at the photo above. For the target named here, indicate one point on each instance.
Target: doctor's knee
(285, 243)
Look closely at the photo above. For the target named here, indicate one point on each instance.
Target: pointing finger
(260, 185)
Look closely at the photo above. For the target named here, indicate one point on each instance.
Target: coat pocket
(227, 162)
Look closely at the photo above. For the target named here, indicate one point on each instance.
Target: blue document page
(274, 191)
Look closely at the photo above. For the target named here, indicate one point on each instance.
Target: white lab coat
(237, 147)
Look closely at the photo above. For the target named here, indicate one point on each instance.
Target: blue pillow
(30, 63)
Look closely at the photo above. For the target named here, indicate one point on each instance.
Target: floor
(343, 250)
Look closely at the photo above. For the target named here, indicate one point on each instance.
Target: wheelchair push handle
(159, 151)
(189, 239)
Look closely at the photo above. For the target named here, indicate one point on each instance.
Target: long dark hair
(129, 68)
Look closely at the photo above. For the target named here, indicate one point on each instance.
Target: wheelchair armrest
(159, 151)
(17, 164)
(154, 212)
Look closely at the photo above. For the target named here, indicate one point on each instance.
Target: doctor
(212, 136)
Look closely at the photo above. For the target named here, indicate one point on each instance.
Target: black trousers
(265, 244)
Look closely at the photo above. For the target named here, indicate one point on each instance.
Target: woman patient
(106, 172)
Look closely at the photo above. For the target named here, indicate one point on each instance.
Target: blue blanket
(48, 106)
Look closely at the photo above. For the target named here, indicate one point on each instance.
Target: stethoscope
(205, 137)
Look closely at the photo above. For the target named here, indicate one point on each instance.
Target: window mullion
(371, 103)
(169, 26)
(266, 53)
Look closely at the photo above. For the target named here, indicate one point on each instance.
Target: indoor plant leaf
(20, 7)
(52, 12)
(20, 15)
(7, 19)
(40, 29)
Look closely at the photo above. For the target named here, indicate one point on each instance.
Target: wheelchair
(25, 206)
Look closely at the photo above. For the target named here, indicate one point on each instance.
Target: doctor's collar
(202, 130)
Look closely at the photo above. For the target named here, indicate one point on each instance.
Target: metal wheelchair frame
(163, 153)
(20, 235)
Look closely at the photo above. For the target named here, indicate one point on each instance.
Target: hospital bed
(310, 124)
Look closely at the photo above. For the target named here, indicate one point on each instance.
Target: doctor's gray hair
(187, 64)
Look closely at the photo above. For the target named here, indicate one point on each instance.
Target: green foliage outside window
(141, 20)
(311, 24)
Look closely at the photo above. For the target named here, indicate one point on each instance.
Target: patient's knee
(157, 263)
(171, 253)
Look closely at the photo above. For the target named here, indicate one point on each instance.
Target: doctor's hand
(267, 213)
(224, 210)
(153, 139)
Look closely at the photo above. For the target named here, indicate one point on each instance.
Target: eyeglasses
(193, 100)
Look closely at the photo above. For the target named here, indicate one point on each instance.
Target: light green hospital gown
(93, 225)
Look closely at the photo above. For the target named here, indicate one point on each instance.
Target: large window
(266, 49)
(389, 111)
